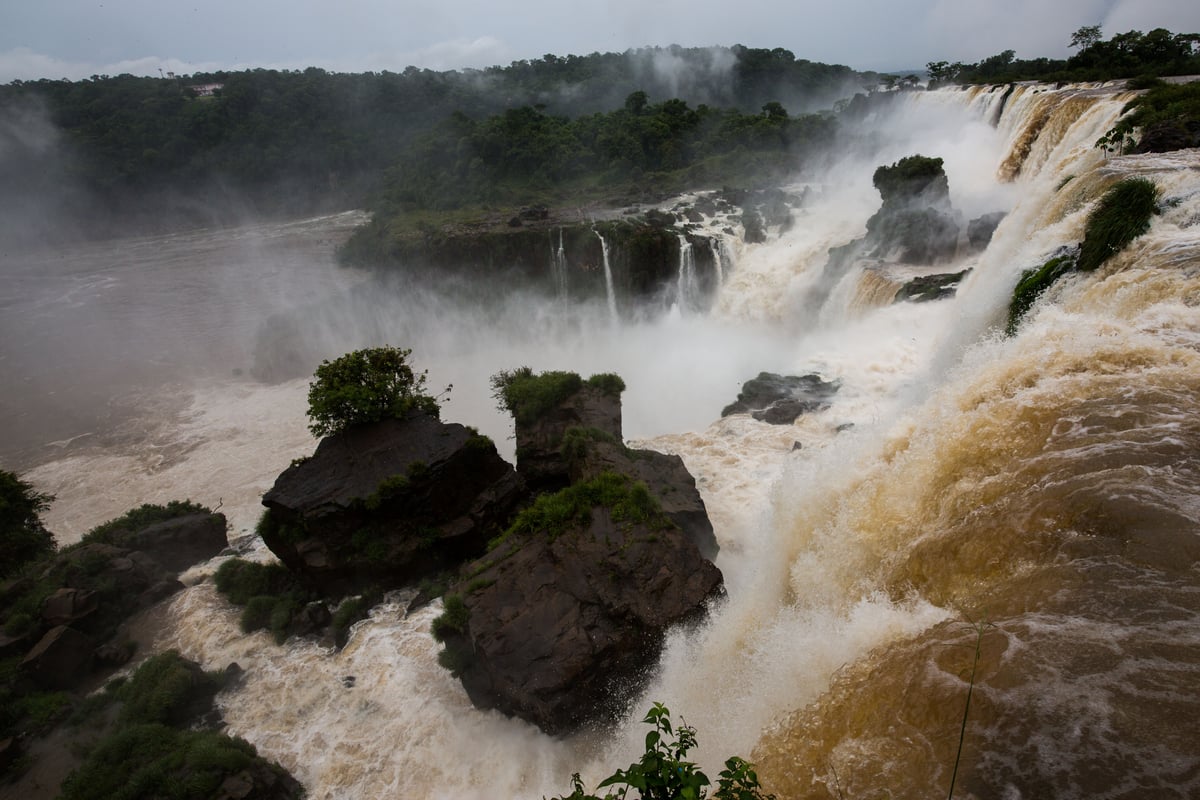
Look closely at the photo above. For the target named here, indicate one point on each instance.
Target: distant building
(206, 89)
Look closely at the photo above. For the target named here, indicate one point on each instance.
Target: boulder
(60, 660)
(180, 542)
(780, 399)
(389, 502)
(924, 288)
(68, 605)
(561, 629)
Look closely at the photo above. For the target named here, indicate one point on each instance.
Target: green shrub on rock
(364, 386)
(141, 517)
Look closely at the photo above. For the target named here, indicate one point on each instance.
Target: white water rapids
(981, 476)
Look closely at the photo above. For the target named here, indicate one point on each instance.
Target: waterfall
(1034, 496)
(687, 290)
(559, 261)
(717, 246)
(609, 294)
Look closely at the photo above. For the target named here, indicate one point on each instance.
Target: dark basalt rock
(389, 502)
(667, 479)
(980, 229)
(179, 542)
(780, 399)
(930, 287)
(60, 660)
(562, 629)
(540, 459)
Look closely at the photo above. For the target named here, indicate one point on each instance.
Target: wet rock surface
(780, 399)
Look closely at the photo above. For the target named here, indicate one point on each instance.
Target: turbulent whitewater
(1035, 495)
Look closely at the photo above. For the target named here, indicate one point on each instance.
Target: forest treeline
(299, 137)
(214, 147)
(1125, 55)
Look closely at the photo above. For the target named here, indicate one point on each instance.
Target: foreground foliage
(23, 537)
(367, 385)
(663, 773)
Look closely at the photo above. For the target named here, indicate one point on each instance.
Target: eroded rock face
(391, 502)
(667, 479)
(540, 459)
(780, 399)
(561, 629)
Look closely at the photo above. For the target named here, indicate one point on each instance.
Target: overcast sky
(79, 38)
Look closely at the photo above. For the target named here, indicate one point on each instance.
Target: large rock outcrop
(560, 627)
(562, 620)
(578, 436)
(915, 225)
(389, 502)
(63, 619)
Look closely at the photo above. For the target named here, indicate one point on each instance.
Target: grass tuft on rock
(1122, 215)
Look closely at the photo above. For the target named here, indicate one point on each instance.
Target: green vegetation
(141, 517)
(1033, 282)
(23, 537)
(663, 773)
(1167, 117)
(628, 502)
(157, 761)
(453, 619)
(364, 386)
(271, 596)
(1122, 215)
(1125, 55)
(289, 140)
(167, 690)
(608, 383)
(576, 441)
(908, 176)
(528, 396)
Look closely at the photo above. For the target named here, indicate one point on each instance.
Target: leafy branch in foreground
(664, 774)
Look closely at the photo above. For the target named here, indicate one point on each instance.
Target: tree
(364, 386)
(1085, 37)
(23, 537)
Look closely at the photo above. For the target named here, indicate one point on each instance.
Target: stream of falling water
(1042, 486)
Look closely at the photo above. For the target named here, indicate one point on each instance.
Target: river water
(1032, 496)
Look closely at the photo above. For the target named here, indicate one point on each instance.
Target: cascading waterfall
(559, 261)
(717, 246)
(609, 295)
(1040, 487)
(687, 290)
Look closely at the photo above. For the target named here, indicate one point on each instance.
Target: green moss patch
(1122, 215)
